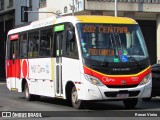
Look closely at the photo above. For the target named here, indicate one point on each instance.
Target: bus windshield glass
(112, 42)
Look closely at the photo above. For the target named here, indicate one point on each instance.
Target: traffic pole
(115, 12)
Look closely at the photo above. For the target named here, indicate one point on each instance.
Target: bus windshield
(112, 42)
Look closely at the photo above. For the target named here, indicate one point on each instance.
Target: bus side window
(71, 44)
(45, 43)
(14, 49)
(33, 44)
(23, 46)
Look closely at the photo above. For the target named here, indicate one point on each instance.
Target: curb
(2, 83)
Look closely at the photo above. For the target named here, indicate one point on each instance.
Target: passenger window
(23, 46)
(14, 50)
(8, 48)
(33, 44)
(71, 44)
(45, 43)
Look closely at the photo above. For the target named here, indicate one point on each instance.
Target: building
(145, 12)
(7, 21)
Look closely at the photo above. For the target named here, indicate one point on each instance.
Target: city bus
(79, 59)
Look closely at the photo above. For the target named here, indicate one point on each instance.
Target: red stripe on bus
(117, 79)
(13, 68)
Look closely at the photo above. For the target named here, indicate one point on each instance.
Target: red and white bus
(79, 58)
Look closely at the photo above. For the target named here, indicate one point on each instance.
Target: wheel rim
(75, 97)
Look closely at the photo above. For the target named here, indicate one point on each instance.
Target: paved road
(13, 101)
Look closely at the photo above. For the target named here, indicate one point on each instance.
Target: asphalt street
(50, 108)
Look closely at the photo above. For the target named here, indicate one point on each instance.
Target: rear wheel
(74, 99)
(29, 96)
(130, 103)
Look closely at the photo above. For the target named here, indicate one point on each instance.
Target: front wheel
(130, 102)
(74, 99)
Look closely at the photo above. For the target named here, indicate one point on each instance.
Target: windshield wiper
(131, 55)
(105, 62)
(134, 60)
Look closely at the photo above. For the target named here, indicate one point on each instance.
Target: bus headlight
(93, 80)
(146, 79)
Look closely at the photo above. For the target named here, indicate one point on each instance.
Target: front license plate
(122, 95)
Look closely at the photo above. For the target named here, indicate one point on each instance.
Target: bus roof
(106, 19)
(74, 20)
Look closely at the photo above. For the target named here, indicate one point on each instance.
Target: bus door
(58, 40)
(14, 63)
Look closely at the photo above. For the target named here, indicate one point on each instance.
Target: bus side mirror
(70, 35)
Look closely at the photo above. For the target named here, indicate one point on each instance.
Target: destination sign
(104, 29)
(14, 37)
(101, 52)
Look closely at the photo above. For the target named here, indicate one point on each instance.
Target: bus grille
(121, 86)
(114, 94)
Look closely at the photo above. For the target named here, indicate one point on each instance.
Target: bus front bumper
(93, 92)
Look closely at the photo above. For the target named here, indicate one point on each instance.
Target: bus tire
(77, 104)
(147, 99)
(29, 96)
(130, 102)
